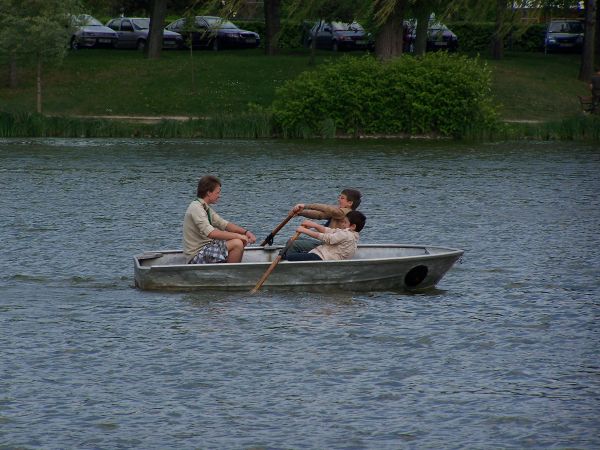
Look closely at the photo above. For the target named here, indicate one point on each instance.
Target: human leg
(212, 253)
(302, 245)
(302, 256)
(235, 250)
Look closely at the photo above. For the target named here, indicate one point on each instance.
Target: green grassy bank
(215, 86)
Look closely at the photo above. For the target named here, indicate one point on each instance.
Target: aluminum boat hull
(375, 267)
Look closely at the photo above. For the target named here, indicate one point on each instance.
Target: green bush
(444, 94)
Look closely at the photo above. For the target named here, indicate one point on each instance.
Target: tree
(389, 16)
(587, 55)
(157, 24)
(36, 31)
(272, 25)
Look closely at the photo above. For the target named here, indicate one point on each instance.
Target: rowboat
(374, 267)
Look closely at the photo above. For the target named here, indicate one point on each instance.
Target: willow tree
(272, 11)
(389, 17)
(158, 12)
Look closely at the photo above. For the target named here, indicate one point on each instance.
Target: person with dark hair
(207, 237)
(337, 243)
(348, 200)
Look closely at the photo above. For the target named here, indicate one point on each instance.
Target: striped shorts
(213, 252)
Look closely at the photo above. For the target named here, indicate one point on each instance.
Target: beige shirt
(197, 227)
(338, 244)
(321, 211)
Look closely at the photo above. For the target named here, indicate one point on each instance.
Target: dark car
(133, 33)
(89, 32)
(439, 36)
(214, 32)
(564, 35)
(339, 36)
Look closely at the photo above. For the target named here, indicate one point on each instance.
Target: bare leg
(235, 249)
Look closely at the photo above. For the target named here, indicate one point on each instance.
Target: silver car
(89, 32)
(133, 33)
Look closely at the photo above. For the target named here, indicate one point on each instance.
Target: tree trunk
(13, 81)
(273, 26)
(192, 69)
(39, 85)
(587, 55)
(498, 38)
(388, 43)
(597, 40)
(157, 23)
(422, 17)
(313, 46)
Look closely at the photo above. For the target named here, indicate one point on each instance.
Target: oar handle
(274, 263)
(269, 238)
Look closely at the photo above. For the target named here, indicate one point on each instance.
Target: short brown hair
(206, 184)
(353, 195)
(356, 218)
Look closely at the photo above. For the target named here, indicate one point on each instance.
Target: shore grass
(229, 91)
(259, 125)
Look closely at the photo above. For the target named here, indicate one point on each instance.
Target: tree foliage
(36, 31)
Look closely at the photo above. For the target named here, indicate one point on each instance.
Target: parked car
(133, 33)
(340, 36)
(564, 35)
(439, 36)
(214, 32)
(91, 33)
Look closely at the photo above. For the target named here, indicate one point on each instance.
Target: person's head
(356, 220)
(209, 188)
(349, 198)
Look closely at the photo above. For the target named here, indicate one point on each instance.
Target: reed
(259, 125)
(247, 126)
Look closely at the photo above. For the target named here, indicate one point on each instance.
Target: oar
(274, 264)
(269, 238)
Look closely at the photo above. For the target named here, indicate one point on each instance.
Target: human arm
(321, 211)
(312, 229)
(233, 231)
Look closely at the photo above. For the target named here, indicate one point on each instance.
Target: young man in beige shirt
(207, 237)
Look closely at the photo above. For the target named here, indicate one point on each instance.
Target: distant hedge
(443, 94)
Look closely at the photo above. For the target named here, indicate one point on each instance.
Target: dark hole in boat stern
(415, 276)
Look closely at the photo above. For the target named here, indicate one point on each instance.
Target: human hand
(297, 208)
(251, 237)
(244, 239)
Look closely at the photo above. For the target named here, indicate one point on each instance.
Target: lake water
(505, 353)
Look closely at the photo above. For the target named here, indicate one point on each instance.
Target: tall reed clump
(438, 94)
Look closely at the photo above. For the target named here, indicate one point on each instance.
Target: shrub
(438, 93)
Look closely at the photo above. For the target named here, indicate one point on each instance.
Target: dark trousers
(302, 256)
